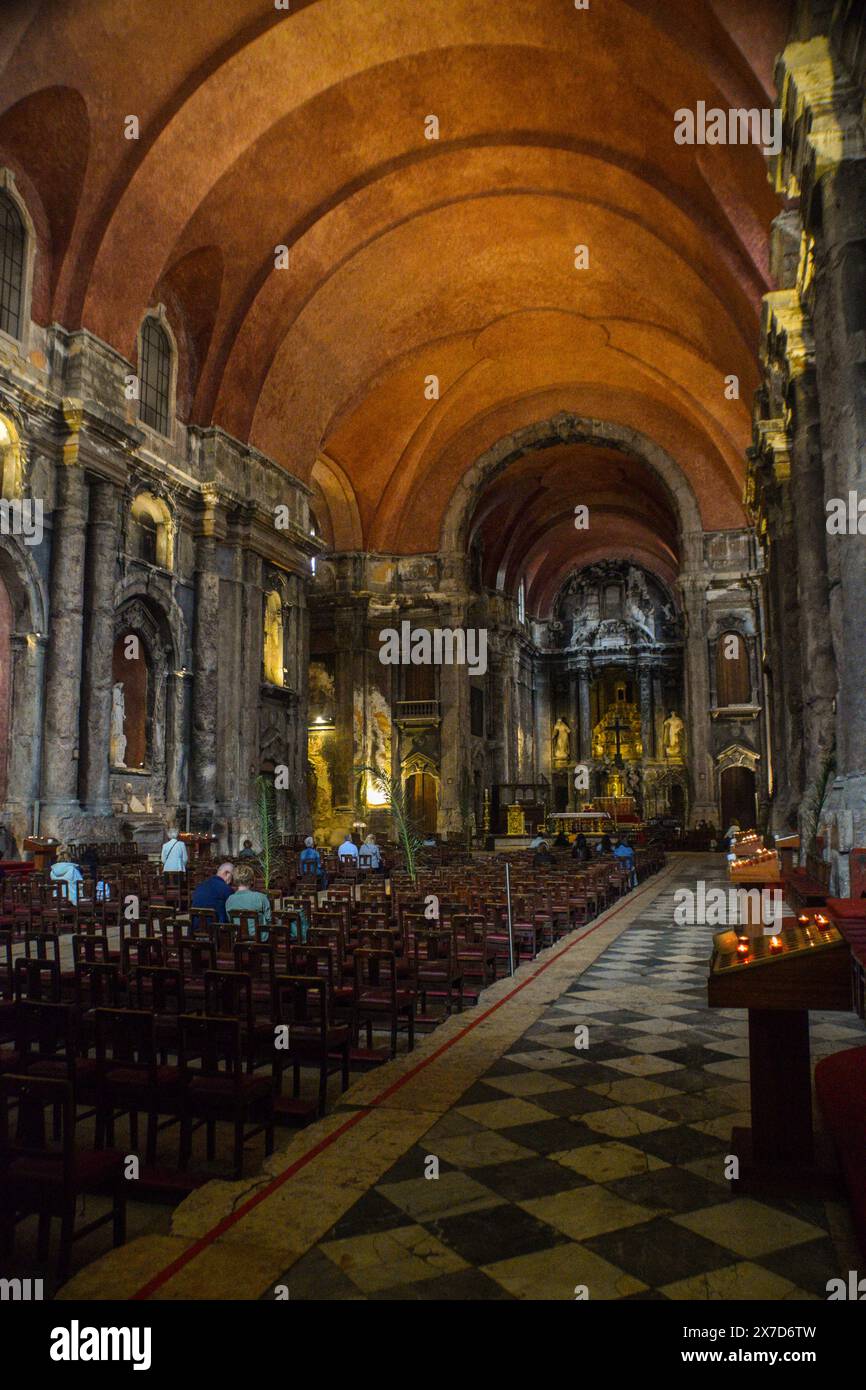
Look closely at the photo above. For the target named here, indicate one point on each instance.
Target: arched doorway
(6, 624)
(738, 797)
(421, 801)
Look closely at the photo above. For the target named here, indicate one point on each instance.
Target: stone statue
(117, 741)
(561, 740)
(672, 730)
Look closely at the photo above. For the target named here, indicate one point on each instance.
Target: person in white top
(371, 849)
(173, 855)
(348, 847)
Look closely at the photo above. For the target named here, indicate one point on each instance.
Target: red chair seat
(217, 1090)
(139, 1080)
(375, 999)
(90, 1169)
(309, 1034)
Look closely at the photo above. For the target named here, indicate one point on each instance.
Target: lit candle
(775, 944)
(743, 951)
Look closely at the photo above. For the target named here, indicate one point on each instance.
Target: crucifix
(618, 758)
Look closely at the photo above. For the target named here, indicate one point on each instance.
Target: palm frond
(266, 806)
(406, 833)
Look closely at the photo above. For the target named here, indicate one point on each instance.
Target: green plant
(813, 800)
(405, 832)
(266, 807)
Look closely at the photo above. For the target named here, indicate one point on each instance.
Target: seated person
(214, 891)
(542, 857)
(580, 848)
(624, 852)
(537, 841)
(310, 855)
(604, 845)
(64, 871)
(245, 899)
(348, 847)
(247, 851)
(561, 840)
(371, 850)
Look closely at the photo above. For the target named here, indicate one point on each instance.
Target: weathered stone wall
(809, 449)
(86, 457)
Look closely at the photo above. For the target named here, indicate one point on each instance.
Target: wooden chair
(435, 967)
(130, 1079)
(215, 1087)
(47, 1179)
(378, 995)
(303, 1005)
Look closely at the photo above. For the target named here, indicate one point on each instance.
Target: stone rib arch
(568, 428)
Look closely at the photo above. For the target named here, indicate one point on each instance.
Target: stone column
(658, 710)
(784, 645)
(644, 676)
(817, 660)
(348, 653)
(840, 359)
(63, 678)
(101, 574)
(203, 753)
(178, 706)
(703, 803)
(455, 759)
(25, 749)
(583, 714)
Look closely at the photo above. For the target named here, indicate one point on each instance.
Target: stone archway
(573, 429)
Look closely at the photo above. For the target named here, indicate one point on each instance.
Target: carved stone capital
(822, 118)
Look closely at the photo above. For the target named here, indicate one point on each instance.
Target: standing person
(246, 899)
(173, 854)
(214, 891)
(348, 847)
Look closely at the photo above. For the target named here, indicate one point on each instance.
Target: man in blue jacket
(214, 891)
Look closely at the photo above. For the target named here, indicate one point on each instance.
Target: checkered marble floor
(599, 1166)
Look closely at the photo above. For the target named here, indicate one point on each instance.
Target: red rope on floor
(234, 1217)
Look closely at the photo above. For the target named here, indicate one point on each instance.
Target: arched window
(733, 682)
(10, 460)
(150, 532)
(12, 253)
(155, 375)
(273, 650)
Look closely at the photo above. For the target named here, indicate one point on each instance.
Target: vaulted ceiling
(411, 258)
